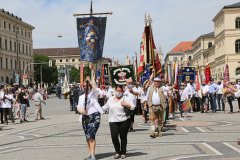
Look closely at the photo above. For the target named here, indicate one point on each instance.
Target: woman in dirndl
(90, 111)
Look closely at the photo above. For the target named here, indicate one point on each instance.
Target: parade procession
(146, 81)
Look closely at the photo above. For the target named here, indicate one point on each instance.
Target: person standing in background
(213, 88)
(220, 96)
(23, 100)
(238, 99)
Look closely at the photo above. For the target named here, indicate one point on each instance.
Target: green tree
(49, 74)
(74, 75)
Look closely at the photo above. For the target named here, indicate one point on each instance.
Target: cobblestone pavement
(60, 136)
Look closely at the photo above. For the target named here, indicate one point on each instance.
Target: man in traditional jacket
(157, 103)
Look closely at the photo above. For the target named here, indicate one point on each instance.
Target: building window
(9, 26)
(73, 60)
(0, 42)
(30, 50)
(60, 60)
(189, 58)
(2, 79)
(237, 46)
(4, 23)
(6, 44)
(209, 44)
(15, 46)
(23, 48)
(10, 45)
(26, 50)
(6, 63)
(237, 23)
(66, 60)
(11, 64)
(1, 62)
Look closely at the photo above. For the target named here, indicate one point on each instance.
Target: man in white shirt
(1, 97)
(192, 93)
(238, 88)
(157, 104)
(205, 98)
(220, 96)
(138, 89)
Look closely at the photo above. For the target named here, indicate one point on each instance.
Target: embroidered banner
(91, 34)
(188, 73)
(120, 74)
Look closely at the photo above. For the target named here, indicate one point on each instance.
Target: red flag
(103, 74)
(142, 52)
(158, 66)
(81, 74)
(226, 73)
(207, 72)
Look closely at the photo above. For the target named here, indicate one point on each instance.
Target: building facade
(180, 54)
(222, 46)
(15, 48)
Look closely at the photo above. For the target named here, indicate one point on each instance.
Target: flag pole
(91, 12)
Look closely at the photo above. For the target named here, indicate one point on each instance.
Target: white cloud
(173, 21)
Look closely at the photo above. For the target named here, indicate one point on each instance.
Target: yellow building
(222, 46)
(15, 48)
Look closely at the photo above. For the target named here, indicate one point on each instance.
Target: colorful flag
(91, 34)
(146, 75)
(207, 73)
(142, 53)
(103, 75)
(158, 66)
(226, 73)
(81, 74)
(176, 82)
(198, 84)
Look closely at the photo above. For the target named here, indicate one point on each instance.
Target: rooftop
(236, 5)
(56, 51)
(10, 14)
(182, 47)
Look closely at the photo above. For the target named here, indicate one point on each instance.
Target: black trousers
(120, 129)
(198, 104)
(230, 99)
(1, 112)
(138, 108)
(238, 99)
(8, 112)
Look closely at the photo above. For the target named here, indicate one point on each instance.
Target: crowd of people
(156, 101)
(14, 103)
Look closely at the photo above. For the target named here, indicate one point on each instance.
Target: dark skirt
(91, 124)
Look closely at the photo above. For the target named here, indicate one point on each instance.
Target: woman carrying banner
(119, 121)
(90, 110)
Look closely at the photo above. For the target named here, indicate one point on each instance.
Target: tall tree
(74, 75)
(49, 74)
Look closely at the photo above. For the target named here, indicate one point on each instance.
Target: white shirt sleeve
(106, 106)
(147, 93)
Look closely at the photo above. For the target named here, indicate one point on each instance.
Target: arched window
(237, 23)
(237, 46)
(209, 44)
(189, 58)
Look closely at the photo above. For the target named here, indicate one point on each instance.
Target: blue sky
(173, 21)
